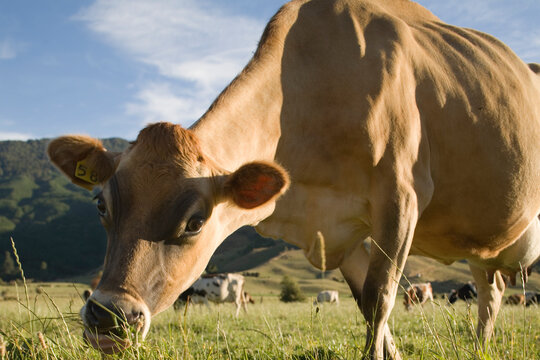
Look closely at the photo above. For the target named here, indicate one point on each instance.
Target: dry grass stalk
(3, 349)
(42, 340)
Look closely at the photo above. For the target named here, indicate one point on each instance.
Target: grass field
(270, 330)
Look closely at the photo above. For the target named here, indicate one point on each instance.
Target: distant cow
(194, 296)
(248, 298)
(533, 300)
(466, 292)
(217, 288)
(515, 299)
(330, 296)
(417, 294)
(528, 299)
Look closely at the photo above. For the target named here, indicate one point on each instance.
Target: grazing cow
(248, 298)
(466, 292)
(394, 127)
(515, 299)
(191, 295)
(417, 294)
(217, 288)
(528, 298)
(534, 299)
(330, 296)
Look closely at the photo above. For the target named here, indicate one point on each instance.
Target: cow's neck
(243, 124)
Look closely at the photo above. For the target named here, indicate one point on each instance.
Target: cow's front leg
(394, 217)
(489, 301)
(354, 268)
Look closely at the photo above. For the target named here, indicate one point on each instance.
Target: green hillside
(52, 221)
(418, 269)
(55, 227)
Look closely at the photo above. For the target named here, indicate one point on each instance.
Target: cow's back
(471, 124)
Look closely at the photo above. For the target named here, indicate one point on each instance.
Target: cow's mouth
(117, 339)
(107, 343)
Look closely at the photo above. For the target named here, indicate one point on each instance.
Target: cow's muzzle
(111, 325)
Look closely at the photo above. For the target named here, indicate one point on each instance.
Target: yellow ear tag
(86, 173)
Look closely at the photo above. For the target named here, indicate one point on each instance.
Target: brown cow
(394, 127)
(528, 298)
(515, 299)
(417, 294)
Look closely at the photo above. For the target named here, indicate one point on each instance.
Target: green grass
(270, 330)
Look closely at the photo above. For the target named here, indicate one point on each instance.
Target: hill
(55, 226)
(418, 269)
(52, 221)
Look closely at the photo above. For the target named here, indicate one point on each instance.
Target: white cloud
(15, 136)
(8, 49)
(158, 102)
(202, 48)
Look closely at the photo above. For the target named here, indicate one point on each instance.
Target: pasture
(270, 330)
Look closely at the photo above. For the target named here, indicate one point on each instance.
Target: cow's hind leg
(354, 268)
(489, 301)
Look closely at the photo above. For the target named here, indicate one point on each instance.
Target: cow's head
(166, 207)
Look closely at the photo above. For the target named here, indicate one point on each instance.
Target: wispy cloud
(196, 50)
(158, 102)
(8, 49)
(15, 136)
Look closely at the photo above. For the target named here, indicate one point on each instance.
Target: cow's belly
(506, 248)
(323, 221)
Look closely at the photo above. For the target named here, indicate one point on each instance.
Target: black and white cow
(217, 288)
(466, 292)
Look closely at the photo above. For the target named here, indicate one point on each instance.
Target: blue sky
(108, 67)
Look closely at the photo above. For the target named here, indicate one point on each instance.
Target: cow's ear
(256, 183)
(82, 159)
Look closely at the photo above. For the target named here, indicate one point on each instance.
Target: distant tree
(290, 291)
(9, 270)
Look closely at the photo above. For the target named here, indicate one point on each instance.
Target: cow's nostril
(99, 316)
(134, 317)
(105, 317)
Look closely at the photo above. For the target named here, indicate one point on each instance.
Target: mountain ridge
(54, 222)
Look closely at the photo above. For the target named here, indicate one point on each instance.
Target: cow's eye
(101, 207)
(194, 225)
